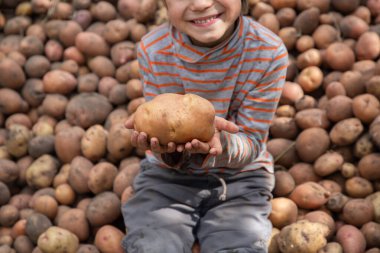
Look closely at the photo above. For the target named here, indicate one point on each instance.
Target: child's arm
(253, 118)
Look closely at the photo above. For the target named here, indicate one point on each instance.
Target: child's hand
(140, 140)
(214, 146)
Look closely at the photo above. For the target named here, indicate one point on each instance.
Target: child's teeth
(204, 21)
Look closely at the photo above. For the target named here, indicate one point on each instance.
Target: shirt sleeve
(253, 117)
(150, 89)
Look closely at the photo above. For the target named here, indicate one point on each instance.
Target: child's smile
(206, 22)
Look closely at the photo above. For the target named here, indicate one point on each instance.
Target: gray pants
(170, 210)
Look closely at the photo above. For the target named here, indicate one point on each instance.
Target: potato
(64, 194)
(16, 25)
(41, 172)
(291, 93)
(116, 31)
(310, 78)
(330, 185)
(284, 183)
(75, 221)
(23, 244)
(87, 109)
(36, 224)
(119, 142)
(9, 215)
(125, 177)
(5, 194)
(17, 140)
(58, 240)
(310, 57)
(305, 143)
(307, 20)
(331, 247)
(101, 177)
(142, 11)
(102, 66)
(108, 239)
(9, 171)
(284, 212)
(93, 143)
(286, 16)
(352, 27)
(306, 102)
(302, 236)
(87, 248)
(368, 46)
(103, 209)
(346, 132)
(46, 205)
(283, 151)
(261, 8)
(324, 35)
(12, 75)
(371, 232)
(285, 111)
(309, 195)
(364, 146)
(312, 117)
(59, 81)
(122, 52)
(339, 108)
(372, 86)
(91, 44)
(283, 127)
(328, 163)
(269, 20)
(366, 107)
(357, 212)
(334, 89)
(79, 174)
(351, 239)
(303, 172)
(323, 218)
(339, 56)
(36, 66)
(53, 50)
(368, 168)
(170, 118)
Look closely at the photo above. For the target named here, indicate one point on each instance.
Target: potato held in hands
(176, 118)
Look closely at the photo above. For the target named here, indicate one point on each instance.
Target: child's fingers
(200, 147)
(129, 123)
(142, 140)
(180, 148)
(171, 147)
(224, 125)
(134, 136)
(155, 145)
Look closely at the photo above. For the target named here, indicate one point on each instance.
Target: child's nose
(200, 5)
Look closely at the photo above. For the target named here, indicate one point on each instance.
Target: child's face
(207, 22)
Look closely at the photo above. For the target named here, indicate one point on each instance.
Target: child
(217, 192)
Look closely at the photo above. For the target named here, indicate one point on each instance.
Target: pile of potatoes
(69, 79)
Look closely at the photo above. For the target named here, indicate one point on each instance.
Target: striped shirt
(242, 77)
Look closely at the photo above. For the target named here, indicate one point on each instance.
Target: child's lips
(206, 21)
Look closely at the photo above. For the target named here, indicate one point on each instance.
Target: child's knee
(153, 240)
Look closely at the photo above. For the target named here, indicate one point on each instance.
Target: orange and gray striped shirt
(242, 77)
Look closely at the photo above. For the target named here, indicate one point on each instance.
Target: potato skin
(176, 118)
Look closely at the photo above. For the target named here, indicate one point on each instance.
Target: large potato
(176, 118)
